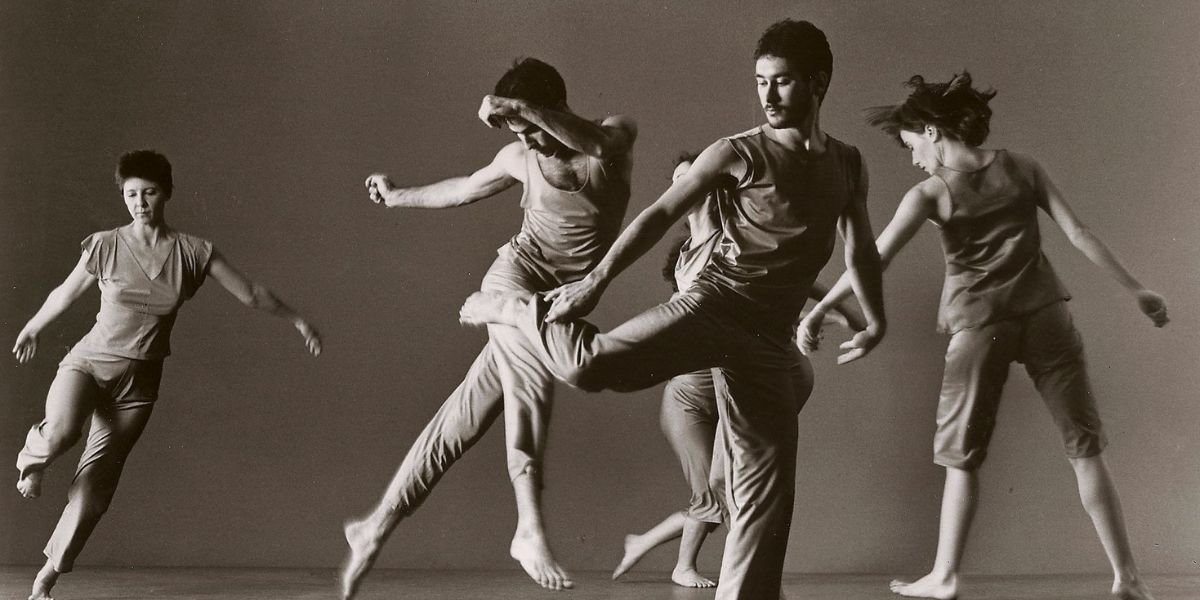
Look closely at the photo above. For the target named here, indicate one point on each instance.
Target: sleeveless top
(137, 307)
(705, 235)
(780, 223)
(565, 233)
(995, 268)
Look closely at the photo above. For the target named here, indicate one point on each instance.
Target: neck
(805, 136)
(961, 157)
(147, 233)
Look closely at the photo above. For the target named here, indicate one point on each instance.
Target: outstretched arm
(579, 298)
(1150, 303)
(502, 173)
(256, 296)
(918, 204)
(57, 301)
(611, 138)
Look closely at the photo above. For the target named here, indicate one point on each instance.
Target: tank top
(138, 308)
(705, 235)
(565, 233)
(995, 268)
(780, 223)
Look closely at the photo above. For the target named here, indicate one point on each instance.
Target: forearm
(642, 234)
(263, 299)
(865, 276)
(443, 194)
(1097, 252)
(575, 132)
(57, 302)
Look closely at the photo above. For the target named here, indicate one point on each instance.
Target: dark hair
(955, 107)
(686, 156)
(145, 164)
(801, 43)
(533, 81)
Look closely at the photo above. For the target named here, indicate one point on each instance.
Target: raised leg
(69, 403)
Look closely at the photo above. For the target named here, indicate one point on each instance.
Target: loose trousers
(508, 378)
(758, 398)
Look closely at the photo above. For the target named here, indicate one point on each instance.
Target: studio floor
(301, 584)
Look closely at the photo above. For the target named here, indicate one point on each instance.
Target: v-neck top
(995, 268)
(138, 303)
(566, 232)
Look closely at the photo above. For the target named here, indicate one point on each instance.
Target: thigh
(1052, 351)
(72, 397)
(977, 363)
(115, 430)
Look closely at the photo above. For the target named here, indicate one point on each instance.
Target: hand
(378, 186)
(809, 334)
(495, 108)
(26, 346)
(573, 300)
(860, 344)
(312, 339)
(1153, 306)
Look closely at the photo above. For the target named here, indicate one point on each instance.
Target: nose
(772, 93)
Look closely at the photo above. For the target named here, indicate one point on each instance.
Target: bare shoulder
(511, 159)
(622, 122)
(928, 190)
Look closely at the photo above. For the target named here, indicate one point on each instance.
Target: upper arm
(620, 133)
(918, 205)
(714, 164)
(855, 223)
(78, 280)
(1052, 201)
(230, 278)
(506, 170)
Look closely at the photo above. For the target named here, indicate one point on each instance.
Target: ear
(820, 82)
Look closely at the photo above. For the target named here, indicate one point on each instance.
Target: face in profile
(924, 155)
(144, 199)
(784, 94)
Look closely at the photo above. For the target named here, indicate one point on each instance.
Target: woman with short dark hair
(145, 271)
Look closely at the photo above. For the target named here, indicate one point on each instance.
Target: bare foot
(534, 555)
(929, 586)
(636, 547)
(1131, 590)
(365, 542)
(689, 578)
(45, 580)
(482, 308)
(30, 485)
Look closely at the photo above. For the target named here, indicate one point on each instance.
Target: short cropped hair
(686, 156)
(801, 43)
(955, 107)
(533, 81)
(145, 164)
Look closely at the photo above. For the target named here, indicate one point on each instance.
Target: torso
(995, 268)
(573, 213)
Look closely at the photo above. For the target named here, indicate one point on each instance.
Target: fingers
(851, 356)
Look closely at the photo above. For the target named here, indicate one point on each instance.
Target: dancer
(576, 177)
(689, 407)
(795, 186)
(1001, 303)
(145, 270)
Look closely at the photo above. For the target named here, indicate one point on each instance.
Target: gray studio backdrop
(273, 114)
